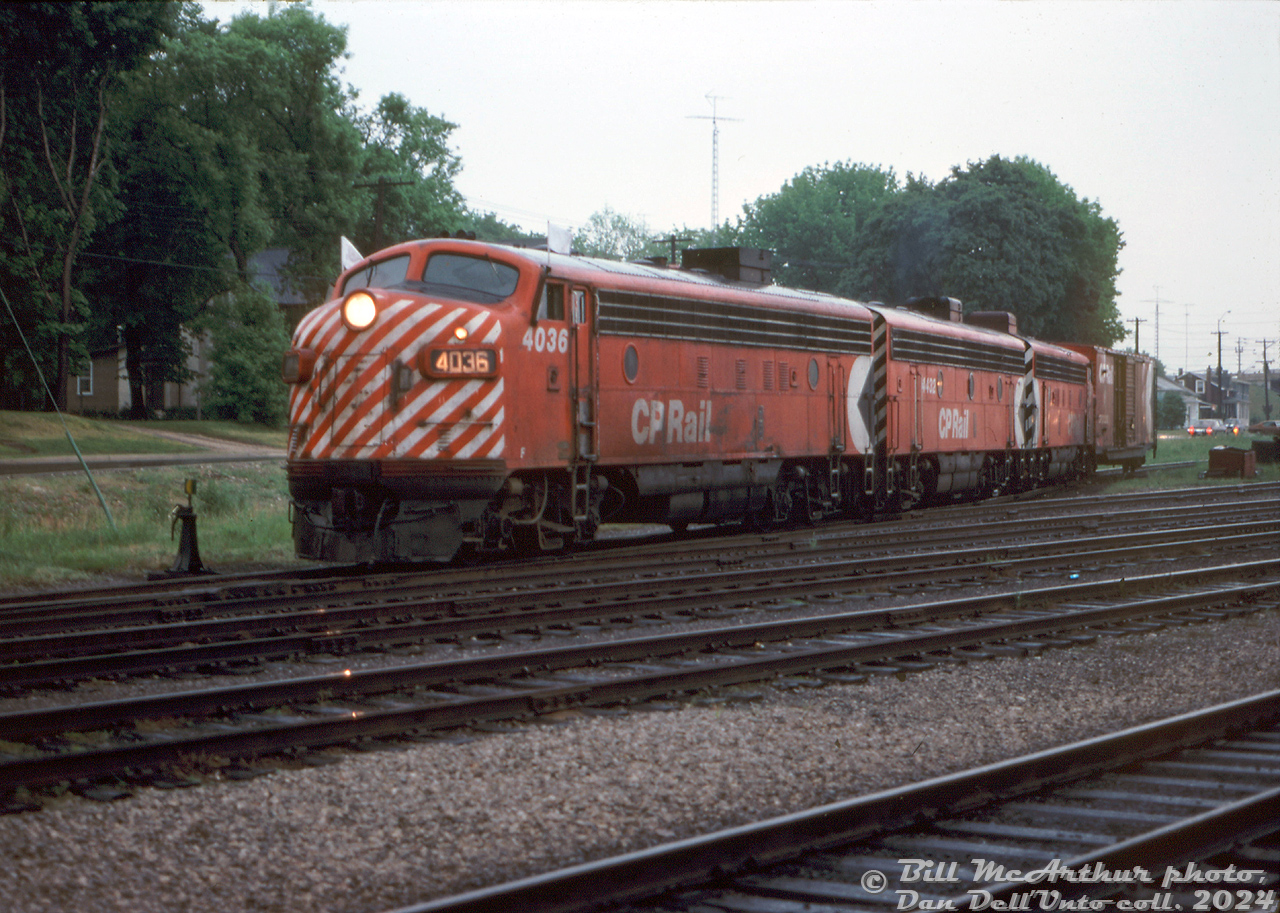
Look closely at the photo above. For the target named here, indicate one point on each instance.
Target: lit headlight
(359, 311)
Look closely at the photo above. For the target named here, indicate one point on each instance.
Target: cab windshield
(476, 279)
(389, 273)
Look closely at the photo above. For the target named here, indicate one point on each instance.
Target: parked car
(1205, 426)
(1270, 426)
(1232, 426)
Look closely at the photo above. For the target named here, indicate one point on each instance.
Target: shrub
(249, 341)
(1172, 411)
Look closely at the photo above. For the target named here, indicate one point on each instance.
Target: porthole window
(939, 384)
(814, 375)
(972, 385)
(630, 364)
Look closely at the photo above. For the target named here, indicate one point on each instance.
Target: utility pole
(715, 119)
(1266, 379)
(673, 241)
(1157, 324)
(1186, 336)
(381, 185)
(1156, 302)
(1222, 399)
(1136, 321)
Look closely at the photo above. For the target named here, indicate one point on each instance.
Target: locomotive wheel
(536, 538)
(541, 529)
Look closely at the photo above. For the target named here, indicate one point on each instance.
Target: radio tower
(715, 154)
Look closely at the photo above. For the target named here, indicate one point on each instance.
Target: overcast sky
(1166, 113)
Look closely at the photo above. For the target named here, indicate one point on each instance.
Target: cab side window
(553, 305)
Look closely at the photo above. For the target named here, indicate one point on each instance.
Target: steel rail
(175, 597)
(1196, 837)
(55, 635)
(683, 864)
(532, 697)
(517, 609)
(322, 630)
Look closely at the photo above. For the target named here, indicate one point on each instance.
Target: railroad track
(66, 647)
(1179, 815)
(85, 743)
(990, 521)
(204, 626)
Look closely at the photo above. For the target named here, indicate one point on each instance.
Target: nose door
(355, 388)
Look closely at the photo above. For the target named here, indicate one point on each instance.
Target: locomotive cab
(397, 412)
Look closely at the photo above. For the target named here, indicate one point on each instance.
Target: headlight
(359, 311)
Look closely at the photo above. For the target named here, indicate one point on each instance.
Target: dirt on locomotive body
(454, 395)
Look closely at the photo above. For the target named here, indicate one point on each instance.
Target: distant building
(1230, 401)
(266, 269)
(1191, 402)
(102, 386)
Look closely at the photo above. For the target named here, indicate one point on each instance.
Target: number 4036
(543, 339)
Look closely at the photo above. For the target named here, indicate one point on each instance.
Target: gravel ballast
(381, 830)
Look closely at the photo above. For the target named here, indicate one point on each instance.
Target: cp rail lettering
(689, 426)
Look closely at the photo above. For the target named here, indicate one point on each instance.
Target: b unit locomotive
(457, 394)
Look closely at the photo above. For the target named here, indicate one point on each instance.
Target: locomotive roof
(632, 272)
(634, 275)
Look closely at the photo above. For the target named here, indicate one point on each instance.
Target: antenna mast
(715, 119)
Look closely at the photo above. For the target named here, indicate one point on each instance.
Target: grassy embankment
(1178, 447)
(53, 532)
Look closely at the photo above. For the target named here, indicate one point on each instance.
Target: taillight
(298, 365)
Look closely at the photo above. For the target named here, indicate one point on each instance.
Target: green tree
(278, 75)
(407, 176)
(60, 66)
(242, 138)
(1171, 412)
(814, 224)
(191, 211)
(486, 226)
(249, 341)
(615, 236)
(1002, 235)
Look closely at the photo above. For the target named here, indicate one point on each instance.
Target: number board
(462, 363)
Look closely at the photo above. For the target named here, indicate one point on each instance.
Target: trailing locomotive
(454, 394)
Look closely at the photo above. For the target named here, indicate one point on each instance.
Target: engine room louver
(694, 320)
(1067, 372)
(910, 345)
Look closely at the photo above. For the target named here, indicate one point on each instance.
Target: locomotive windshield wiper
(468, 293)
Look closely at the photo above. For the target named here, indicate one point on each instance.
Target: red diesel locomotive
(458, 394)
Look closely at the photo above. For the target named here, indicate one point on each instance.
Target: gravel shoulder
(386, 829)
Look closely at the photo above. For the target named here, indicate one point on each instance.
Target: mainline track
(77, 648)
(994, 521)
(333, 709)
(1164, 794)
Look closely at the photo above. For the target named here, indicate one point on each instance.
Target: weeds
(53, 532)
